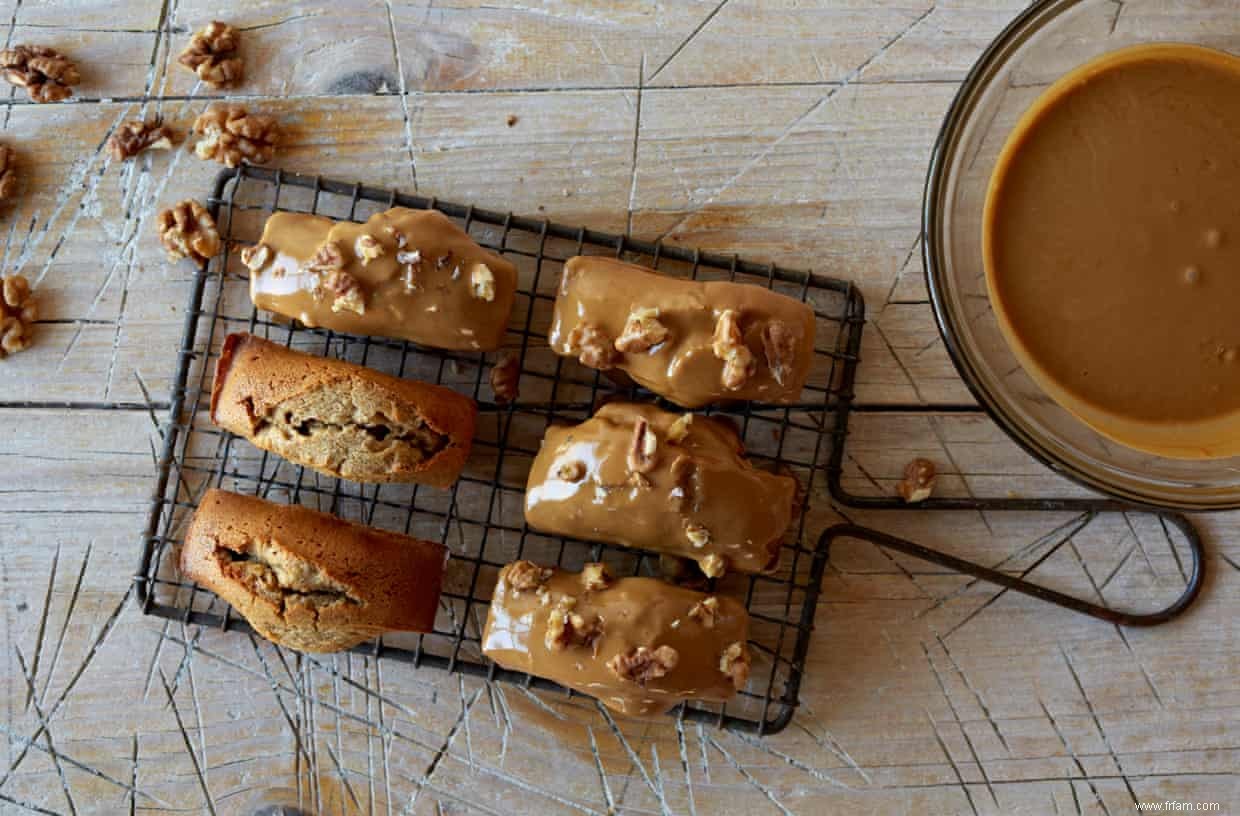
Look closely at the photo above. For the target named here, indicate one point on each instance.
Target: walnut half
(642, 450)
(8, 176)
(346, 292)
(45, 73)
(526, 575)
(641, 664)
(188, 231)
(729, 346)
(506, 378)
(567, 628)
(706, 612)
(136, 135)
(642, 331)
(231, 134)
(18, 313)
(780, 346)
(596, 576)
(212, 55)
(593, 346)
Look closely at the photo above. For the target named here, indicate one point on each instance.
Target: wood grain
(795, 132)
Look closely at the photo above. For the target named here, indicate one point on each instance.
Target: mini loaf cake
(637, 644)
(308, 580)
(693, 342)
(339, 418)
(409, 274)
(677, 484)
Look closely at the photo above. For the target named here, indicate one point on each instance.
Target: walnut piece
(256, 257)
(729, 345)
(188, 231)
(230, 135)
(780, 345)
(918, 482)
(697, 534)
(367, 248)
(327, 258)
(596, 576)
(706, 612)
(18, 312)
(506, 378)
(642, 331)
(593, 346)
(8, 176)
(410, 262)
(45, 73)
(482, 283)
(526, 575)
(679, 429)
(641, 664)
(734, 662)
(571, 471)
(713, 565)
(136, 135)
(684, 479)
(212, 55)
(346, 292)
(567, 628)
(641, 457)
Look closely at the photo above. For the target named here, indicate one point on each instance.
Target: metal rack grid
(480, 519)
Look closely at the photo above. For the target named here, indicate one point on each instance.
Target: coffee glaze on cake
(1112, 247)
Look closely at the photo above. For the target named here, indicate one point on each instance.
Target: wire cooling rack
(480, 519)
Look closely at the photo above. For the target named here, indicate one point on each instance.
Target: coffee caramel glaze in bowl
(1042, 44)
(1109, 242)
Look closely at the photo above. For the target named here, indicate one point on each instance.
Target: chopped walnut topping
(18, 312)
(45, 73)
(506, 378)
(713, 565)
(410, 257)
(641, 664)
(593, 346)
(918, 482)
(679, 429)
(780, 346)
(639, 481)
(136, 135)
(367, 248)
(212, 55)
(568, 628)
(684, 479)
(697, 534)
(327, 258)
(706, 612)
(188, 231)
(482, 283)
(346, 292)
(734, 662)
(8, 176)
(642, 331)
(525, 575)
(729, 346)
(596, 576)
(641, 457)
(571, 471)
(230, 135)
(256, 257)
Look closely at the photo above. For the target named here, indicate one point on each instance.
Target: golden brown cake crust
(309, 580)
(341, 419)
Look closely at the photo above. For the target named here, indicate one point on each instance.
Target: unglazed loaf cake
(408, 274)
(637, 644)
(341, 419)
(678, 484)
(309, 580)
(693, 342)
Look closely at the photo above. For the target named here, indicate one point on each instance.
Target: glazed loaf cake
(409, 274)
(309, 580)
(643, 477)
(693, 342)
(637, 644)
(339, 418)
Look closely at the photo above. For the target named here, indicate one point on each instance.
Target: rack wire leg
(1106, 613)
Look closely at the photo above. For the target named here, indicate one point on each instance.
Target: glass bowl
(1044, 42)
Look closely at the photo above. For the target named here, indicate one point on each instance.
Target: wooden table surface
(789, 131)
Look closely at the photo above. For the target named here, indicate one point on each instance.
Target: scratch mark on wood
(739, 768)
(47, 730)
(934, 729)
(697, 30)
(189, 748)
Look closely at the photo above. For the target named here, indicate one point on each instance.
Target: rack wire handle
(1106, 613)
